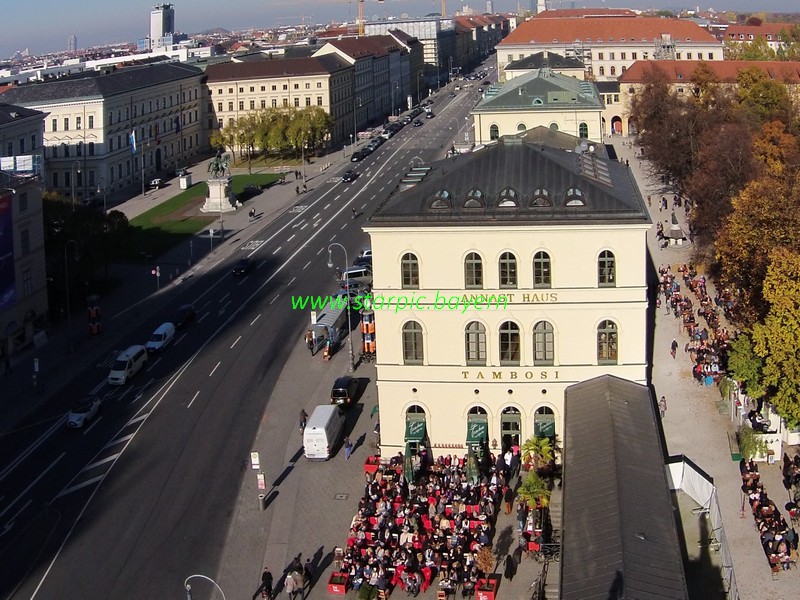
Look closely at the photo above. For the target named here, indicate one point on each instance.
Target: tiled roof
(615, 30)
(585, 12)
(726, 70)
(544, 59)
(11, 113)
(375, 45)
(764, 29)
(534, 90)
(99, 84)
(279, 67)
(526, 165)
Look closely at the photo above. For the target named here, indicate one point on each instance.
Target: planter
(371, 464)
(337, 583)
(487, 588)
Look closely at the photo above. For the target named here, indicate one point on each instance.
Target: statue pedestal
(220, 196)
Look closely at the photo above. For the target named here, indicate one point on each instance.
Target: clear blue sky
(43, 25)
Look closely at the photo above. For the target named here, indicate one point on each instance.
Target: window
(91, 121)
(308, 100)
(622, 55)
(543, 344)
(285, 86)
(541, 197)
(241, 104)
(241, 90)
(494, 132)
(607, 343)
(319, 100)
(541, 270)
(252, 88)
(55, 179)
(412, 343)
(308, 86)
(79, 149)
(22, 199)
(274, 87)
(710, 56)
(297, 86)
(611, 56)
(441, 200)
(252, 104)
(583, 131)
(54, 125)
(474, 199)
(554, 126)
(473, 271)
(66, 123)
(296, 101)
(91, 148)
(409, 269)
(263, 103)
(509, 344)
(25, 241)
(613, 70)
(606, 269)
(27, 283)
(22, 145)
(230, 106)
(508, 198)
(319, 84)
(475, 344)
(624, 68)
(78, 122)
(521, 127)
(508, 270)
(688, 56)
(634, 55)
(600, 56)
(574, 197)
(602, 70)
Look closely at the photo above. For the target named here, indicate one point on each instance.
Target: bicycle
(548, 552)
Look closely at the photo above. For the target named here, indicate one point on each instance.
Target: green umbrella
(375, 411)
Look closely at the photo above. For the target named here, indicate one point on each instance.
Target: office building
(162, 22)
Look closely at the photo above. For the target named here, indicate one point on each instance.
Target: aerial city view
(376, 299)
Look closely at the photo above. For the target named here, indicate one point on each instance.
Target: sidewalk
(136, 296)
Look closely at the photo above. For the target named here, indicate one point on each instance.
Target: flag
(133, 141)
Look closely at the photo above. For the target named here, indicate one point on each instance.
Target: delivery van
(128, 363)
(323, 429)
(161, 338)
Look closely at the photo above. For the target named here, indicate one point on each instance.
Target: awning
(477, 432)
(415, 430)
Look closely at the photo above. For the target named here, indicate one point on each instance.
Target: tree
(537, 450)
(746, 366)
(758, 49)
(762, 99)
(777, 339)
(534, 491)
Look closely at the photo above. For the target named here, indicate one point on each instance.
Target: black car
(344, 390)
(487, 82)
(185, 315)
(363, 261)
(243, 266)
(417, 123)
(430, 115)
(349, 176)
(357, 156)
(452, 94)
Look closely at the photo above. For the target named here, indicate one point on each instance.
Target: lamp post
(355, 117)
(101, 189)
(394, 97)
(347, 288)
(419, 74)
(72, 180)
(66, 286)
(188, 588)
(351, 144)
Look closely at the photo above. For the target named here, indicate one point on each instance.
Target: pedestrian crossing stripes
(253, 244)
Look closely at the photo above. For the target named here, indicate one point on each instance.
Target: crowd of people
(777, 538)
(408, 534)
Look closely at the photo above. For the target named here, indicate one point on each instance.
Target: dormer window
(541, 197)
(441, 200)
(574, 197)
(508, 198)
(474, 199)
(538, 102)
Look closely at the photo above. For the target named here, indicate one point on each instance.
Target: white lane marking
(275, 298)
(261, 264)
(383, 188)
(137, 419)
(79, 486)
(278, 249)
(241, 281)
(179, 340)
(32, 483)
(216, 366)
(333, 237)
(125, 393)
(306, 266)
(291, 282)
(363, 206)
(124, 438)
(343, 226)
(303, 227)
(326, 206)
(30, 449)
(153, 364)
(97, 463)
(89, 428)
(200, 320)
(373, 196)
(315, 216)
(97, 387)
(337, 197)
(317, 222)
(222, 310)
(196, 394)
(291, 238)
(10, 522)
(320, 250)
(235, 342)
(221, 300)
(256, 319)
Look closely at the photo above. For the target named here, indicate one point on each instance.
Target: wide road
(146, 494)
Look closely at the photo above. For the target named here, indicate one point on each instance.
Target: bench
(733, 443)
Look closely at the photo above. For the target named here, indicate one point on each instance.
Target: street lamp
(188, 588)
(394, 97)
(347, 288)
(72, 180)
(351, 144)
(355, 117)
(419, 74)
(66, 285)
(101, 189)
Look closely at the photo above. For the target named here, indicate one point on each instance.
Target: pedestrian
(510, 567)
(673, 349)
(265, 589)
(508, 497)
(354, 212)
(348, 448)
(522, 515)
(627, 164)
(310, 341)
(303, 420)
(289, 586)
(662, 406)
(305, 188)
(297, 190)
(308, 572)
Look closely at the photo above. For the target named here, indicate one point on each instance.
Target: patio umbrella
(374, 411)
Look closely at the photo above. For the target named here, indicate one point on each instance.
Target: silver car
(83, 411)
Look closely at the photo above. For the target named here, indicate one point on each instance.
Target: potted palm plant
(537, 452)
(534, 491)
(486, 588)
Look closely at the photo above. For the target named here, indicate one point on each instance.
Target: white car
(83, 412)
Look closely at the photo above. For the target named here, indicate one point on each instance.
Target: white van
(323, 429)
(360, 273)
(128, 363)
(161, 338)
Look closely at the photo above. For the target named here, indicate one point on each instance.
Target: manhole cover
(340, 496)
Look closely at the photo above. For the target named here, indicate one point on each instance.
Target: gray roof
(525, 165)
(541, 89)
(11, 113)
(544, 59)
(276, 67)
(99, 84)
(619, 538)
(607, 87)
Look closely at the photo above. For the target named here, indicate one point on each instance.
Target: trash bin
(186, 182)
(262, 501)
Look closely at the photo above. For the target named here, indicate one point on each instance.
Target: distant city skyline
(24, 26)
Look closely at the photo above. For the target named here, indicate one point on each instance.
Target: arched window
(521, 127)
(473, 199)
(583, 131)
(494, 132)
(508, 270)
(543, 344)
(415, 411)
(624, 68)
(508, 198)
(602, 71)
(606, 269)
(541, 197)
(475, 344)
(554, 126)
(509, 344)
(613, 71)
(412, 343)
(477, 410)
(607, 343)
(538, 102)
(409, 271)
(473, 271)
(541, 270)
(574, 197)
(441, 200)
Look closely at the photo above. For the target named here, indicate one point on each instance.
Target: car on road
(358, 156)
(417, 123)
(83, 411)
(161, 338)
(349, 176)
(343, 391)
(365, 252)
(363, 261)
(452, 94)
(243, 266)
(185, 315)
(156, 183)
(487, 82)
(181, 173)
(430, 115)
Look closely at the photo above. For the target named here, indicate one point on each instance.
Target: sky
(94, 22)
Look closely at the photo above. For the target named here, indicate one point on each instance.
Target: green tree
(763, 99)
(746, 366)
(790, 49)
(758, 49)
(777, 339)
(537, 450)
(534, 491)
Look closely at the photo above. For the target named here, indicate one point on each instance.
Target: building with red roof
(747, 34)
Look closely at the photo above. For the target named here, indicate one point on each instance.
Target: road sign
(262, 482)
(255, 461)
(313, 317)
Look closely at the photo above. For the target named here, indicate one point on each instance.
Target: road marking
(317, 222)
(343, 226)
(123, 394)
(292, 281)
(337, 197)
(200, 320)
(373, 196)
(275, 298)
(32, 483)
(320, 250)
(241, 281)
(158, 360)
(305, 267)
(97, 388)
(363, 206)
(178, 341)
(333, 237)
(79, 486)
(256, 319)
(124, 438)
(326, 206)
(261, 264)
(235, 342)
(196, 394)
(89, 428)
(303, 227)
(30, 449)
(10, 522)
(252, 245)
(216, 366)
(221, 300)
(315, 216)
(290, 239)
(383, 188)
(137, 419)
(278, 249)
(100, 462)
(222, 310)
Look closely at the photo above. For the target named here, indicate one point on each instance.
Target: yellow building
(505, 276)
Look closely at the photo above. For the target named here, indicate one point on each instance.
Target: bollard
(262, 501)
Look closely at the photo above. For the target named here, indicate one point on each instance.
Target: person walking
(297, 190)
(348, 448)
(302, 421)
(673, 349)
(308, 573)
(354, 213)
(265, 589)
(662, 406)
(310, 341)
(508, 498)
(305, 188)
(289, 586)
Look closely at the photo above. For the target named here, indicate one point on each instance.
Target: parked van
(360, 273)
(344, 390)
(161, 338)
(323, 429)
(128, 363)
